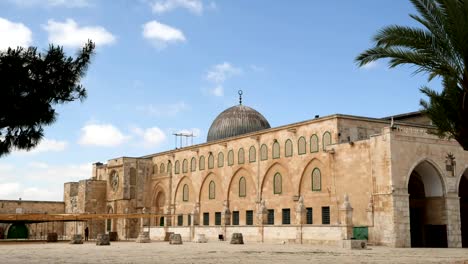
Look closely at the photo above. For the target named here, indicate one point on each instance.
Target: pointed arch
(233, 183)
(305, 183)
(211, 161)
(434, 178)
(193, 164)
(314, 143)
(276, 150)
(301, 146)
(263, 152)
(230, 157)
(252, 154)
(177, 167)
(326, 139)
(288, 148)
(185, 166)
(220, 159)
(201, 163)
(162, 168)
(212, 190)
(240, 156)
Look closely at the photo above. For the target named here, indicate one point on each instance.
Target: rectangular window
(271, 217)
(249, 217)
(180, 220)
(189, 219)
(286, 216)
(235, 218)
(218, 218)
(309, 216)
(325, 215)
(206, 219)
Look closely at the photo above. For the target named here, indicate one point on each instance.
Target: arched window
(252, 154)
(327, 140)
(240, 156)
(276, 150)
(184, 166)
(210, 161)
(220, 160)
(316, 180)
(231, 158)
(161, 168)
(301, 146)
(212, 191)
(155, 169)
(263, 152)
(242, 187)
(201, 163)
(314, 143)
(169, 167)
(177, 167)
(288, 148)
(185, 193)
(193, 164)
(277, 184)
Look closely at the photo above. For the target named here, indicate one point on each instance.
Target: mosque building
(388, 179)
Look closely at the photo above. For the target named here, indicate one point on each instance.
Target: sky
(167, 66)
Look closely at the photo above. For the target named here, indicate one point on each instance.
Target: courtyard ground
(217, 252)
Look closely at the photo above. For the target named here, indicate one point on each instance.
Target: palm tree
(440, 49)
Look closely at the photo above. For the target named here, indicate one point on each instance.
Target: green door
(17, 230)
(361, 232)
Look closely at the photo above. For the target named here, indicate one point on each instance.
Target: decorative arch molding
(244, 172)
(271, 171)
(218, 189)
(435, 167)
(179, 189)
(305, 175)
(157, 189)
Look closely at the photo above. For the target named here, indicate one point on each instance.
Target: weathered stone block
(237, 238)
(102, 240)
(168, 236)
(52, 237)
(175, 239)
(76, 239)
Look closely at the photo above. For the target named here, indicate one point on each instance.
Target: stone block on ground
(200, 238)
(113, 236)
(143, 237)
(168, 236)
(354, 244)
(237, 238)
(175, 239)
(76, 239)
(102, 240)
(52, 237)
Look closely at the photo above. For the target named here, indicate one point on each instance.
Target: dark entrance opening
(428, 226)
(463, 194)
(17, 231)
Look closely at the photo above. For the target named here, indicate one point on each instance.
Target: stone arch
(242, 204)
(241, 172)
(304, 185)
(181, 207)
(437, 169)
(110, 223)
(211, 206)
(462, 189)
(17, 231)
(178, 190)
(159, 202)
(427, 205)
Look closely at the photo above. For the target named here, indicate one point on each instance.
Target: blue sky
(163, 66)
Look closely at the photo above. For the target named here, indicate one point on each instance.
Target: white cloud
(371, 65)
(45, 145)
(218, 90)
(165, 109)
(221, 72)
(9, 190)
(70, 34)
(163, 6)
(152, 136)
(52, 3)
(14, 34)
(161, 35)
(38, 165)
(104, 135)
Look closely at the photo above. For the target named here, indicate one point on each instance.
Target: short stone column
(346, 217)
(262, 214)
(76, 239)
(452, 204)
(226, 214)
(196, 214)
(102, 240)
(237, 239)
(175, 239)
(300, 211)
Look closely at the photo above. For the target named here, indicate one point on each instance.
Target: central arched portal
(428, 226)
(463, 194)
(18, 231)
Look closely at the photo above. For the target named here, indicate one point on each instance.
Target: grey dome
(236, 120)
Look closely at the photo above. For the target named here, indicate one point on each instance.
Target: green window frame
(314, 143)
(271, 217)
(193, 164)
(252, 154)
(230, 157)
(217, 218)
(201, 163)
(235, 217)
(309, 216)
(185, 193)
(184, 166)
(316, 180)
(180, 220)
(276, 150)
(326, 140)
(220, 160)
(286, 216)
(288, 148)
(177, 167)
(206, 219)
(242, 187)
(210, 161)
(241, 156)
(212, 190)
(301, 146)
(249, 217)
(325, 215)
(277, 183)
(263, 152)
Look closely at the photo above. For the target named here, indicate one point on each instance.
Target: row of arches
(184, 167)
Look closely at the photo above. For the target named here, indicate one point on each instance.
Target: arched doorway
(17, 231)
(160, 202)
(109, 222)
(428, 226)
(463, 194)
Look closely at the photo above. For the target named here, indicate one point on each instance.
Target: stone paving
(218, 252)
